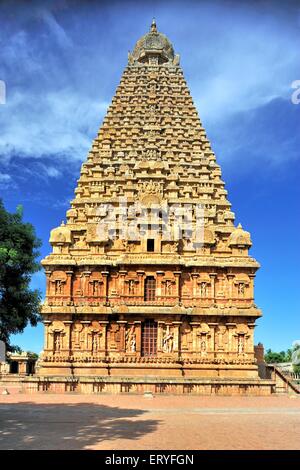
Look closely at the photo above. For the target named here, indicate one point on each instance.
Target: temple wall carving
(185, 339)
(93, 287)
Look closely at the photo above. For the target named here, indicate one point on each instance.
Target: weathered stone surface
(178, 299)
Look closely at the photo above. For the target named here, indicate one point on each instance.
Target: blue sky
(61, 63)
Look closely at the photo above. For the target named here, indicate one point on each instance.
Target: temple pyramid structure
(150, 280)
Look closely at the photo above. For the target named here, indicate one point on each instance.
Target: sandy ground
(71, 421)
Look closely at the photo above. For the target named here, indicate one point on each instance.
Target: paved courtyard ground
(52, 421)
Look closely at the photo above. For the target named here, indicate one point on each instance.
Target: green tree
(288, 355)
(33, 355)
(19, 305)
(272, 357)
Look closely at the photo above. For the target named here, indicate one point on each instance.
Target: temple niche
(149, 276)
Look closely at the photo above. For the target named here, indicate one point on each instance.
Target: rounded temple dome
(154, 46)
(60, 235)
(240, 237)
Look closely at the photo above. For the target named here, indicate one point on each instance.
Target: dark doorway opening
(14, 367)
(150, 244)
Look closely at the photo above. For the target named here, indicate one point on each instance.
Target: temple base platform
(154, 384)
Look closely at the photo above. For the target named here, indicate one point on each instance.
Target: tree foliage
(19, 305)
(272, 357)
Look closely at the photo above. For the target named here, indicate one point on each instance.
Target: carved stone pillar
(177, 275)
(230, 327)
(212, 327)
(251, 287)
(48, 284)
(85, 334)
(68, 290)
(194, 277)
(85, 283)
(141, 275)
(160, 327)
(176, 329)
(105, 275)
(249, 346)
(122, 282)
(195, 325)
(122, 325)
(159, 276)
(230, 284)
(138, 336)
(103, 347)
(213, 286)
(47, 339)
(67, 344)
(22, 367)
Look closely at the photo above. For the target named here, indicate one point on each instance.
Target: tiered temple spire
(150, 271)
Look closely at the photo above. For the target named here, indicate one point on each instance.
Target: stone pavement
(70, 421)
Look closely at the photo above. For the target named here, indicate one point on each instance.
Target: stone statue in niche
(169, 287)
(130, 339)
(95, 342)
(58, 287)
(203, 289)
(203, 333)
(96, 287)
(241, 289)
(168, 340)
(57, 329)
(95, 333)
(131, 287)
(57, 341)
(241, 344)
(203, 345)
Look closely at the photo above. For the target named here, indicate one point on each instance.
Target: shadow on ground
(68, 426)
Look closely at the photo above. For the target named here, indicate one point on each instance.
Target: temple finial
(153, 26)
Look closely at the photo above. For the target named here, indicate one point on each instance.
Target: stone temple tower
(150, 281)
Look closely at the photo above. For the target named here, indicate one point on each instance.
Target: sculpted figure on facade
(203, 333)
(221, 337)
(131, 339)
(95, 334)
(168, 340)
(241, 334)
(77, 338)
(57, 332)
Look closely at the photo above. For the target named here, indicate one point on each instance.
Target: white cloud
(57, 124)
(60, 82)
(5, 180)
